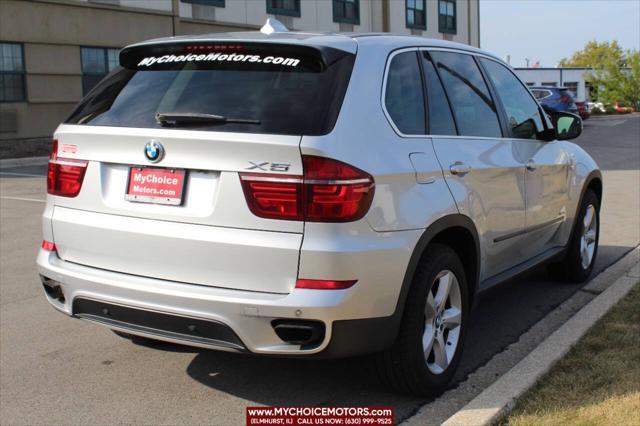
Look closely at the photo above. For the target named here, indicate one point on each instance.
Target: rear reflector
(65, 176)
(54, 150)
(48, 245)
(329, 191)
(324, 284)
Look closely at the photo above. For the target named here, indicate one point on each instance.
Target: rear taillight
(65, 175)
(565, 99)
(329, 191)
(335, 191)
(273, 196)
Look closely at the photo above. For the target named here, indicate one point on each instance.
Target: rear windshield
(278, 89)
(539, 94)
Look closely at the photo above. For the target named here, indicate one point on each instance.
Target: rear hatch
(165, 137)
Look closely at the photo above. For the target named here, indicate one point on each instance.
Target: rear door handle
(459, 168)
(531, 165)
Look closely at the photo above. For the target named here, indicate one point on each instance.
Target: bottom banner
(320, 416)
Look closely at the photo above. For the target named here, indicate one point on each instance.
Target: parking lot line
(23, 199)
(20, 174)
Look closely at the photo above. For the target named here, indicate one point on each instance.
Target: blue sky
(548, 30)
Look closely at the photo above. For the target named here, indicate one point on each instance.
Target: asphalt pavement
(57, 370)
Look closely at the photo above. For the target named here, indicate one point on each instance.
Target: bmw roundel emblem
(154, 151)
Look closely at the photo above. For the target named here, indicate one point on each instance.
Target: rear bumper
(247, 315)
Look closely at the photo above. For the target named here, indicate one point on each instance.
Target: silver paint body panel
(212, 258)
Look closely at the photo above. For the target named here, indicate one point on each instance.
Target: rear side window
(471, 101)
(404, 97)
(523, 114)
(440, 117)
(538, 94)
(274, 89)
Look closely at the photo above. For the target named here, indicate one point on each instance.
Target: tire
(577, 265)
(406, 367)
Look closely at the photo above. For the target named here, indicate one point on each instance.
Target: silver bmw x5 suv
(320, 195)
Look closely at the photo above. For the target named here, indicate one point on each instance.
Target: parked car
(311, 195)
(555, 98)
(596, 107)
(583, 111)
(622, 107)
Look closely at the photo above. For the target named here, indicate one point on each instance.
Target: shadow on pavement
(501, 316)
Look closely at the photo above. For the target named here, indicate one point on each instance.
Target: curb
(27, 161)
(499, 399)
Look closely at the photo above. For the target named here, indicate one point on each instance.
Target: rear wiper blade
(188, 118)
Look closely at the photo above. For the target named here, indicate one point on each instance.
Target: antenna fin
(273, 26)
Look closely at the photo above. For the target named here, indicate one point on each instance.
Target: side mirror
(568, 126)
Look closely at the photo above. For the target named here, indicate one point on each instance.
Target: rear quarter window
(404, 99)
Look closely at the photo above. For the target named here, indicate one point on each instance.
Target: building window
(447, 16)
(284, 7)
(549, 84)
(12, 87)
(96, 62)
(530, 84)
(416, 15)
(216, 3)
(346, 11)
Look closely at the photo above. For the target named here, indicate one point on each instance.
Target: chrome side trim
(337, 182)
(530, 229)
(421, 49)
(383, 96)
(270, 179)
(301, 180)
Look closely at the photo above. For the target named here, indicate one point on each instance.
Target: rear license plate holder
(155, 185)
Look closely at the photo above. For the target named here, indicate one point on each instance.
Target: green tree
(595, 55)
(616, 73)
(631, 82)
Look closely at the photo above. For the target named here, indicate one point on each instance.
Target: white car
(596, 106)
(311, 195)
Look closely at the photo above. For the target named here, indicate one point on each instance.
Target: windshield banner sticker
(218, 57)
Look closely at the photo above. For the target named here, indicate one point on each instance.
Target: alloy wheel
(443, 320)
(588, 237)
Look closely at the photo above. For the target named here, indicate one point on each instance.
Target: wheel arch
(354, 337)
(458, 232)
(593, 181)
